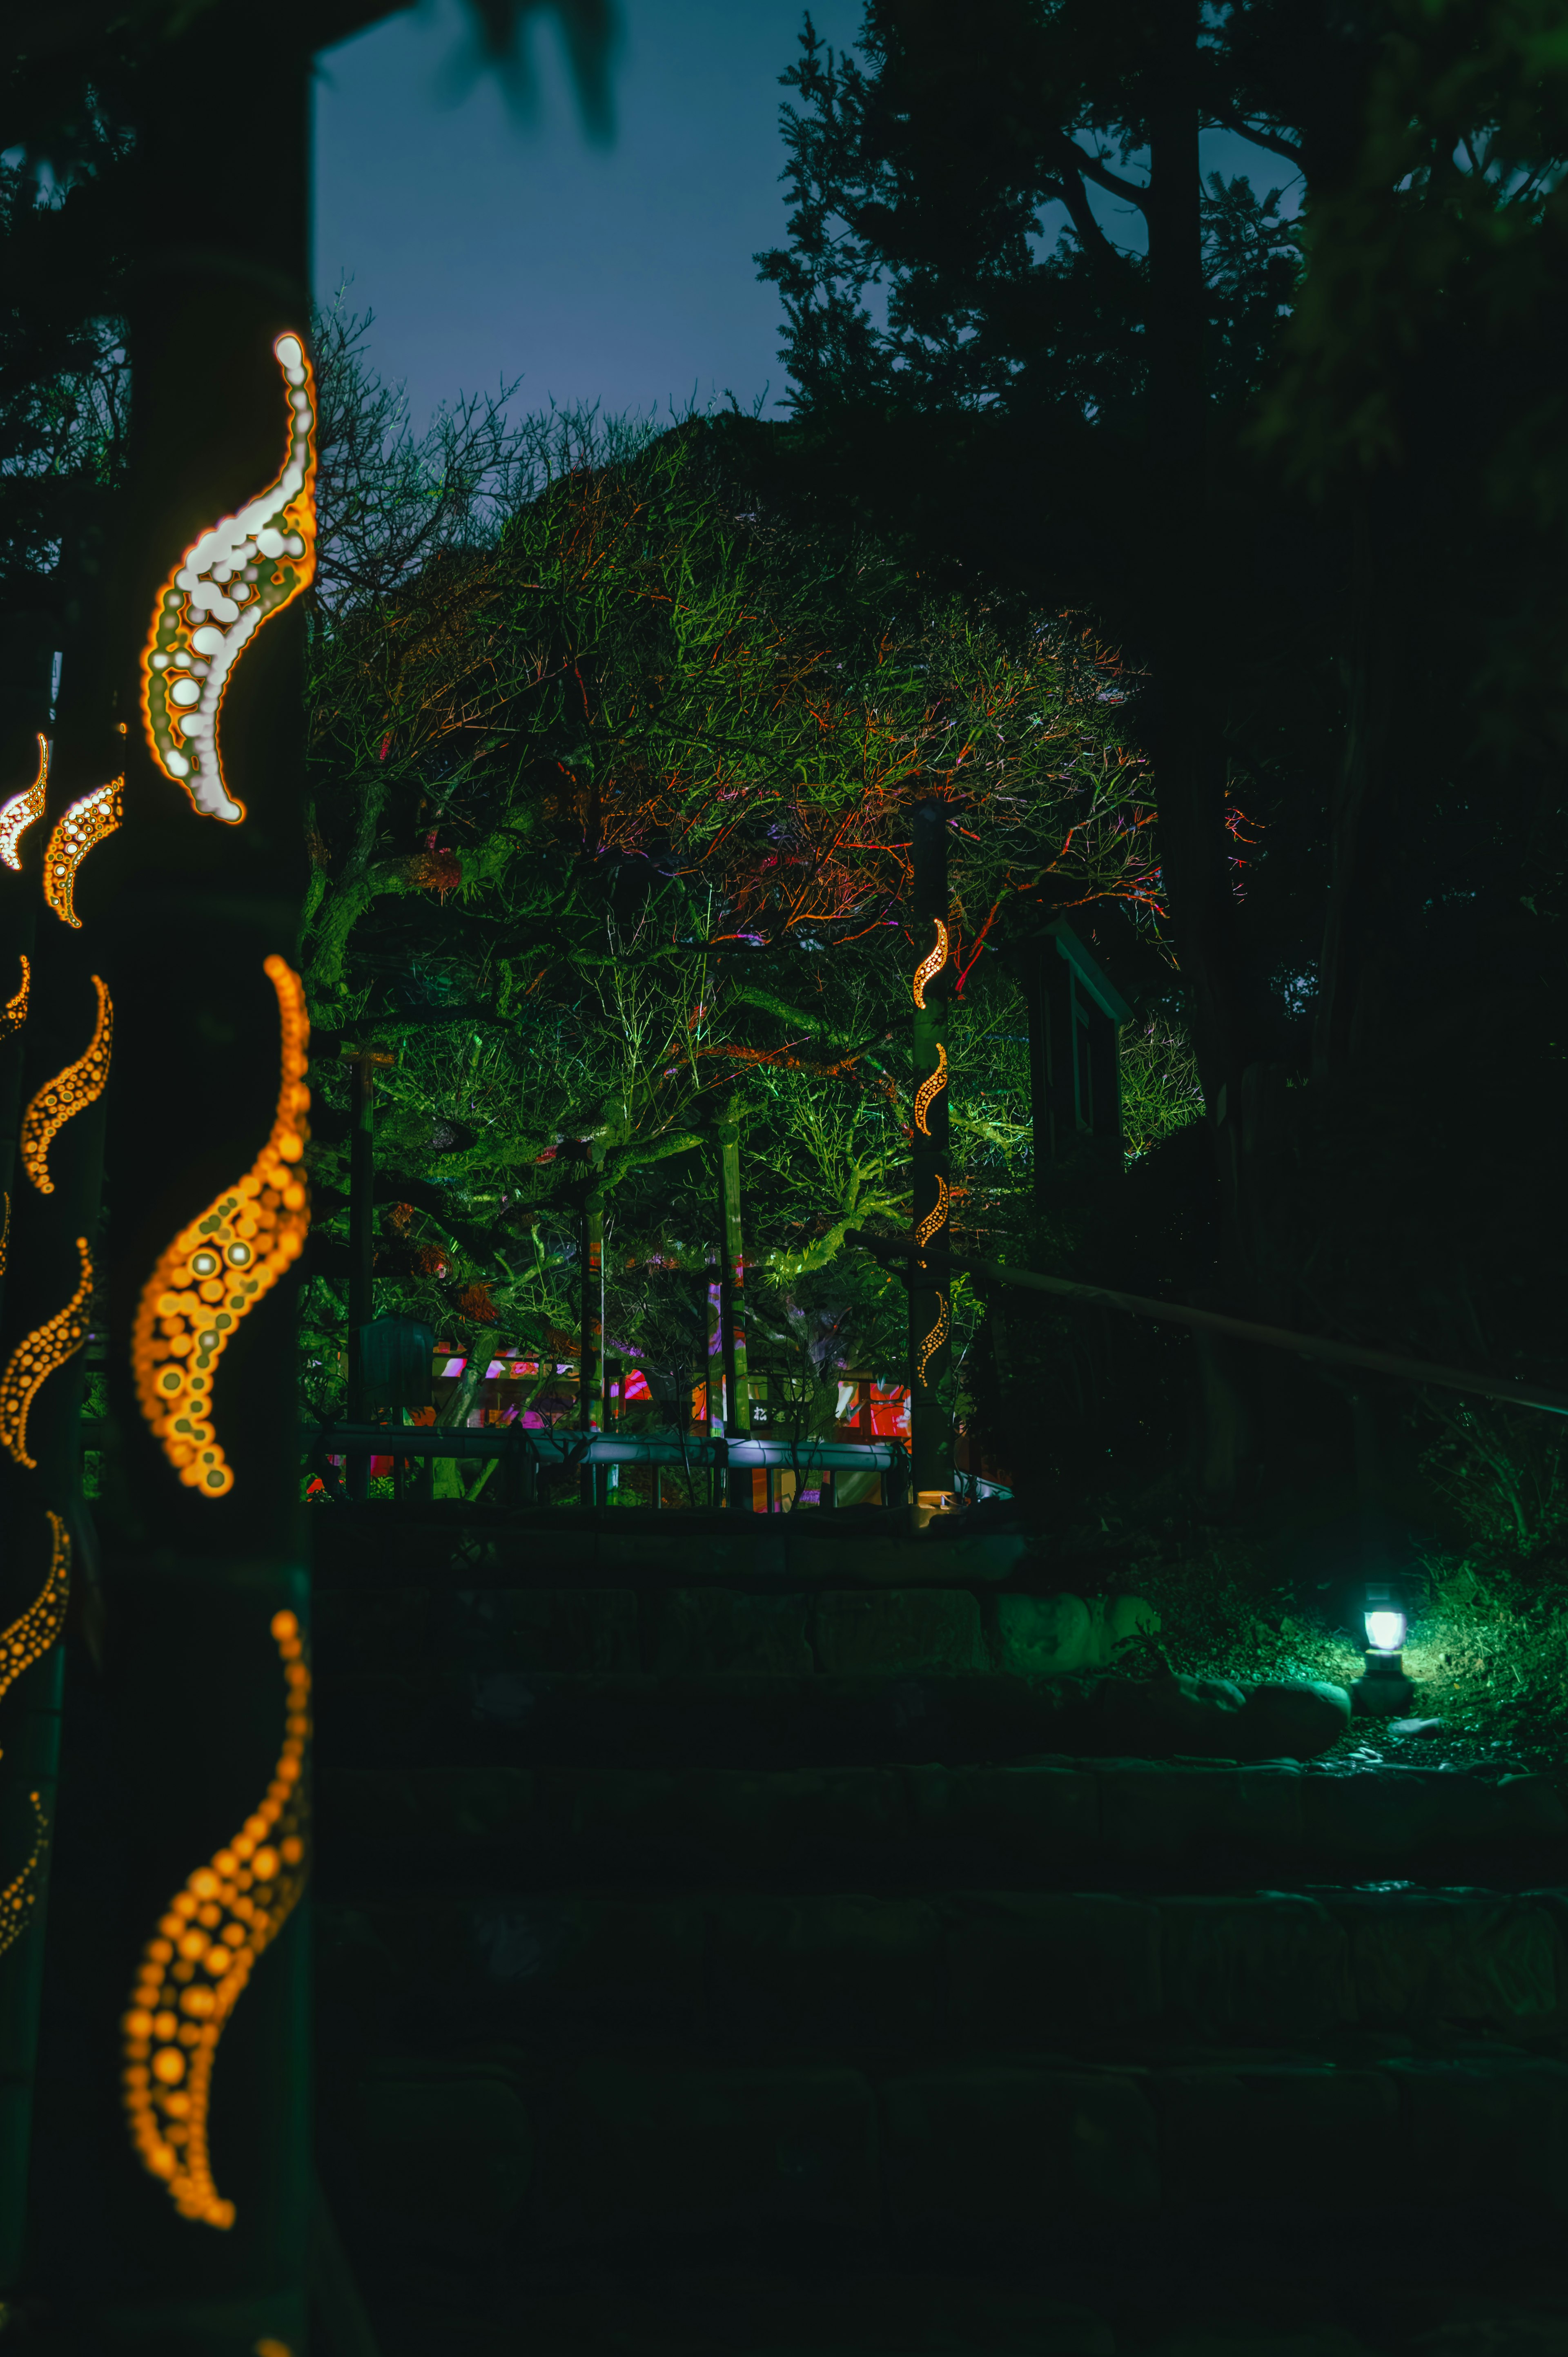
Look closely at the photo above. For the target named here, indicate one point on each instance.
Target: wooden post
(29, 1709)
(731, 1313)
(590, 1355)
(197, 1723)
(713, 1375)
(930, 1298)
(362, 1243)
(615, 1402)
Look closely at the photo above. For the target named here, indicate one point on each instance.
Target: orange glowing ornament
(20, 1896)
(241, 572)
(71, 1091)
(35, 1359)
(195, 1969)
(17, 815)
(87, 822)
(13, 1012)
(217, 1268)
(31, 1636)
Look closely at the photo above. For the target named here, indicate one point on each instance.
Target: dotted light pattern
(932, 965)
(934, 1217)
(242, 571)
(935, 1339)
(35, 1359)
(930, 1088)
(19, 1897)
(13, 1013)
(17, 815)
(87, 822)
(71, 1091)
(194, 1971)
(28, 1639)
(217, 1268)
(4, 1232)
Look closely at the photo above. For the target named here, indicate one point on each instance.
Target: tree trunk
(732, 1311)
(1364, 676)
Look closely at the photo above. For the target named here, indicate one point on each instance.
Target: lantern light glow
(1385, 1630)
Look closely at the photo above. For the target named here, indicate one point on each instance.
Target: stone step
(719, 2310)
(761, 1627)
(864, 1546)
(495, 2150)
(521, 1716)
(1356, 1975)
(1114, 1822)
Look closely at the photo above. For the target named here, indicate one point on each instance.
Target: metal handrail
(565, 1446)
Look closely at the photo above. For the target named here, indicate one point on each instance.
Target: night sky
(619, 274)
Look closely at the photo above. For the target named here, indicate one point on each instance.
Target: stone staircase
(710, 1962)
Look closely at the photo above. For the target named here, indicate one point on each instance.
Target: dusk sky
(490, 248)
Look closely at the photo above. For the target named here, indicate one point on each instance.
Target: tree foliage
(611, 771)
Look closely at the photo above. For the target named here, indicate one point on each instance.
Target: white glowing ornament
(242, 571)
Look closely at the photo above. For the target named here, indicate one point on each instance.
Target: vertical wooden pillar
(717, 1470)
(590, 1356)
(731, 1312)
(184, 1739)
(30, 1704)
(931, 1304)
(45, 1532)
(361, 1246)
(614, 1402)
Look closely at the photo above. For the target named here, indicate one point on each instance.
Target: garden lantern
(1384, 1691)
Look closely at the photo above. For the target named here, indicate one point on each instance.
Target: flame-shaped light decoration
(932, 965)
(71, 1091)
(194, 1972)
(29, 1638)
(936, 1338)
(17, 815)
(35, 1359)
(19, 1897)
(87, 822)
(217, 1268)
(930, 1088)
(13, 1013)
(935, 1216)
(242, 571)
